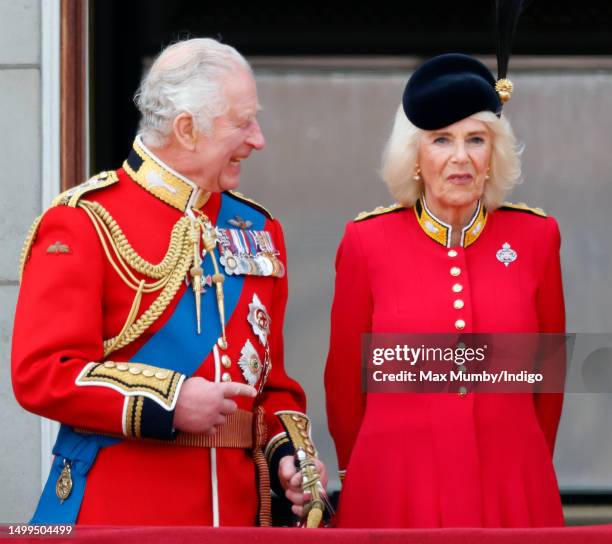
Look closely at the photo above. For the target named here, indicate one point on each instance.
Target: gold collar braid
(156, 177)
(442, 232)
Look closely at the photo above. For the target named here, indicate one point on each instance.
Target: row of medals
(257, 265)
(261, 263)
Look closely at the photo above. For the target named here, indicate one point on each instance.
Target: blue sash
(176, 346)
(81, 451)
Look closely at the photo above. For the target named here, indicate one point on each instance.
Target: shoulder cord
(157, 271)
(170, 272)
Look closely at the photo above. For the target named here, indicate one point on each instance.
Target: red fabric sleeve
(551, 315)
(58, 326)
(280, 392)
(351, 316)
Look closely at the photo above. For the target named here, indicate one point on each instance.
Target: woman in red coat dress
(448, 258)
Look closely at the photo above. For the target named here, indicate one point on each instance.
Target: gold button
(226, 377)
(222, 343)
(135, 370)
(161, 375)
(122, 366)
(452, 253)
(458, 304)
(226, 361)
(109, 364)
(462, 391)
(457, 288)
(460, 324)
(148, 373)
(455, 271)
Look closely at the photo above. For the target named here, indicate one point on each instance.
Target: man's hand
(202, 406)
(291, 480)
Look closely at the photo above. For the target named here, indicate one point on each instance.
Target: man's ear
(184, 130)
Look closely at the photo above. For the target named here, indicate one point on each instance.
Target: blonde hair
(401, 152)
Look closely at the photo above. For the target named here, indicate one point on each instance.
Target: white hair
(186, 77)
(401, 153)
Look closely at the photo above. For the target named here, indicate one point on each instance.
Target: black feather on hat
(451, 87)
(507, 13)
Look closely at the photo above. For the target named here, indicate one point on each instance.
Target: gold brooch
(63, 486)
(504, 88)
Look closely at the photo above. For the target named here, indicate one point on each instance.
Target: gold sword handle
(313, 510)
(297, 426)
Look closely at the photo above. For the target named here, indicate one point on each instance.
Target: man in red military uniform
(150, 316)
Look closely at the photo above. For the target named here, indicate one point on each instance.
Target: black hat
(448, 88)
(451, 87)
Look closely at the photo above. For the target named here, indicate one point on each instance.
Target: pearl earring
(417, 174)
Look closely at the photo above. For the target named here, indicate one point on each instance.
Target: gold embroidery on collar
(441, 232)
(433, 227)
(474, 229)
(160, 181)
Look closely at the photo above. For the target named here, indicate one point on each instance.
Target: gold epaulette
(380, 210)
(72, 196)
(256, 205)
(522, 207)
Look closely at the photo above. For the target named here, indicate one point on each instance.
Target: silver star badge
(250, 363)
(259, 319)
(506, 254)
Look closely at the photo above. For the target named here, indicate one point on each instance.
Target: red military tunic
(443, 460)
(72, 298)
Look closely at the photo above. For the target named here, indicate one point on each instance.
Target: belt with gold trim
(242, 429)
(237, 432)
